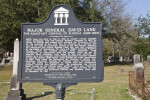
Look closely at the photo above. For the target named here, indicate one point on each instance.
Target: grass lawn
(114, 86)
(5, 73)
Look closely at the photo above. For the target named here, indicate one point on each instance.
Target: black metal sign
(61, 49)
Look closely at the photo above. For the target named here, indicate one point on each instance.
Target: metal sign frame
(72, 22)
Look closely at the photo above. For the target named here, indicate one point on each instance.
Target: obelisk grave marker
(61, 49)
(16, 92)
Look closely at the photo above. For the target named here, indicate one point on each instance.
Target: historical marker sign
(61, 50)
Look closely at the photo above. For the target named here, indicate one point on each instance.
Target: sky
(137, 7)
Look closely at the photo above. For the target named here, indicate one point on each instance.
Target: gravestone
(61, 51)
(121, 59)
(11, 54)
(137, 61)
(148, 59)
(137, 58)
(16, 92)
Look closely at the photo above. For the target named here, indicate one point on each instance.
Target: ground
(114, 86)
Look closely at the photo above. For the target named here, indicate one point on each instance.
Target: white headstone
(137, 62)
(16, 57)
(136, 58)
(7, 54)
(121, 59)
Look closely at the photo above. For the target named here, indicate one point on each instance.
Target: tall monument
(16, 92)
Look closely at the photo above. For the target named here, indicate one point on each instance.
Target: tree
(143, 25)
(15, 12)
(12, 14)
(142, 45)
(117, 26)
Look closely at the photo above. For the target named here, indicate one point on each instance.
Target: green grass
(114, 86)
(5, 73)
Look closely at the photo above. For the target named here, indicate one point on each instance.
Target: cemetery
(73, 50)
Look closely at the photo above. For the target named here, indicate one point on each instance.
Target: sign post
(61, 51)
(60, 89)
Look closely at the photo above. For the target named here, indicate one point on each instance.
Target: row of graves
(60, 51)
(122, 59)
